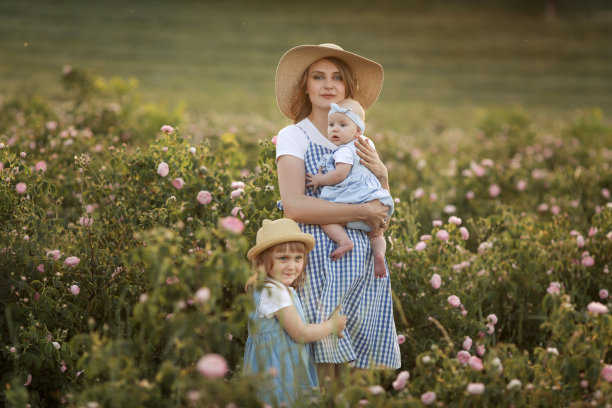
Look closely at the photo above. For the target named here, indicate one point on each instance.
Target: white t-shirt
(273, 298)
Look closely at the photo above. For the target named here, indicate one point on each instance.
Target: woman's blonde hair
(263, 263)
(301, 106)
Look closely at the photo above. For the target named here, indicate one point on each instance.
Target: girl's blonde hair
(263, 263)
(301, 106)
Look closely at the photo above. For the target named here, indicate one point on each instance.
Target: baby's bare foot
(380, 269)
(343, 248)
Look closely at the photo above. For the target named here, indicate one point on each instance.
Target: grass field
(443, 60)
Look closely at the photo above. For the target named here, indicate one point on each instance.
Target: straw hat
(277, 232)
(368, 74)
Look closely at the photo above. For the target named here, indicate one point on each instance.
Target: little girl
(277, 346)
(346, 180)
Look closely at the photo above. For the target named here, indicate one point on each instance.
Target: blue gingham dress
(370, 338)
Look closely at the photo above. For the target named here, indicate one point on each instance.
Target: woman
(308, 79)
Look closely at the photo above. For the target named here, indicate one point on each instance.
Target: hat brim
(368, 74)
(307, 239)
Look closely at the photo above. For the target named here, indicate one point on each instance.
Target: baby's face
(340, 129)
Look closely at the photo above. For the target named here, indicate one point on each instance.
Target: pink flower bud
(436, 281)
(401, 380)
(492, 318)
(40, 166)
(428, 398)
(465, 234)
(401, 339)
(467, 343)
(454, 301)
(202, 295)
(21, 188)
(75, 290)
(494, 190)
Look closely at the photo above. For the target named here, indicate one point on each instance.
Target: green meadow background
(445, 61)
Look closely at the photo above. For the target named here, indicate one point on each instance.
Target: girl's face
(341, 129)
(325, 84)
(286, 266)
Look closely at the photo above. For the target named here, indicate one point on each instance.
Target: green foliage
(117, 278)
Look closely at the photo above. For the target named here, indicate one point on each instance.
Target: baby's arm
(328, 179)
(300, 332)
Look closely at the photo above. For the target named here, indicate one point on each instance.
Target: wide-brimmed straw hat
(368, 74)
(277, 232)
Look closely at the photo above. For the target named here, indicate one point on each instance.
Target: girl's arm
(371, 160)
(300, 332)
(328, 179)
(310, 210)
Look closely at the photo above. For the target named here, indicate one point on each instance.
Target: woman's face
(325, 84)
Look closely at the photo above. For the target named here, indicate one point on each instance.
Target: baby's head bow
(351, 115)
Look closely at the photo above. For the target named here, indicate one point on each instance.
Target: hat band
(348, 112)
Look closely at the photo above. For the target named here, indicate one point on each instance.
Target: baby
(346, 180)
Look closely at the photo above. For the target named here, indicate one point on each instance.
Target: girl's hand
(370, 159)
(313, 180)
(339, 322)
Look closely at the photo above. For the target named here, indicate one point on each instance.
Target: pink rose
(21, 188)
(470, 195)
(597, 308)
(494, 190)
(178, 183)
(454, 301)
(236, 193)
(75, 290)
(477, 169)
(41, 268)
(420, 246)
(475, 363)
(521, 185)
(476, 388)
(442, 235)
(454, 220)
(603, 294)
(492, 318)
(436, 223)
(232, 224)
(605, 193)
(63, 366)
(212, 366)
(163, 169)
(428, 398)
(579, 241)
(606, 373)
(167, 129)
(204, 197)
(85, 221)
(554, 288)
(401, 339)
(588, 261)
(237, 184)
(236, 211)
(72, 261)
(274, 138)
(467, 343)
(55, 254)
(202, 295)
(436, 281)
(40, 166)
(463, 357)
(480, 349)
(401, 380)
(465, 234)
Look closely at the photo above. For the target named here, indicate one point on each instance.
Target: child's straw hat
(368, 74)
(277, 232)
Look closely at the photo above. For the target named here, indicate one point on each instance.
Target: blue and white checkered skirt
(370, 339)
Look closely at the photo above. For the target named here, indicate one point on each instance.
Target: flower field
(123, 258)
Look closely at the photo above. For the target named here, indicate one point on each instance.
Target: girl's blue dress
(287, 368)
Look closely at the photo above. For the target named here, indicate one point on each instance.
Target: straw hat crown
(368, 74)
(277, 232)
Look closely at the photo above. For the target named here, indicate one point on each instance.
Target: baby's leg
(379, 247)
(338, 234)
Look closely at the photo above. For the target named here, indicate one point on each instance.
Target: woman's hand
(338, 321)
(371, 160)
(376, 215)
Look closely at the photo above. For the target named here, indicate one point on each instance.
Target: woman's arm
(310, 210)
(330, 178)
(300, 332)
(371, 160)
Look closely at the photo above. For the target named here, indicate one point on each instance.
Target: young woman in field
(308, 79)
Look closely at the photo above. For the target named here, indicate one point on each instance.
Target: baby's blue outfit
(360, 186)
(269, 346)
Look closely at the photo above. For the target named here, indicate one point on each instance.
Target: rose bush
(123, 261)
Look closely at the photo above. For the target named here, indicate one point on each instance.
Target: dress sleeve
(292, 141)
(343, 155)
(272, 300)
